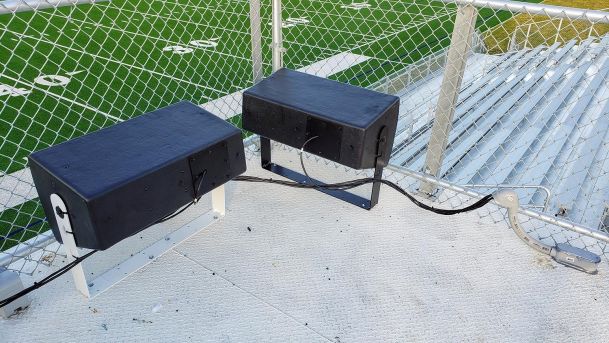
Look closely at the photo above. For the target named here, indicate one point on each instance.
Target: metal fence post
(526, 39)
(277, 38)
(558, 31)
(256, 32)
(460, 47)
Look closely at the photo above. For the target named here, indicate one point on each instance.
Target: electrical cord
(301, 160)
(360, 182)
(196, 198)
(47, 279)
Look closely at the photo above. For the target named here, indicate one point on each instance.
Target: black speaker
(350, 125)
(122, 179)
(292, 107)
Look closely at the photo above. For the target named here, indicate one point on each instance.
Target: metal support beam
(551, 11)
(218, 200)
(277, 38)
(256, 32)
(460, 47)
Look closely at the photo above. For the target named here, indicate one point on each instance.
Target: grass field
(76, 69)
(540, 30)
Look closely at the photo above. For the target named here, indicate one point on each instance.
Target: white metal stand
(137, 261)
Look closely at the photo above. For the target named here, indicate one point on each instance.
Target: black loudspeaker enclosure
(292, 107)
(122, 179)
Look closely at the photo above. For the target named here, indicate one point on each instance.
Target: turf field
(72, 70)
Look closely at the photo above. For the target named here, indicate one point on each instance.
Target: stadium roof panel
(523, 119)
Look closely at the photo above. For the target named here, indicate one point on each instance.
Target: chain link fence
(495, 95)
(72, 67)
(490, 97)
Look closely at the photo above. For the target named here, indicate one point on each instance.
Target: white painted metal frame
(594, 16)
(277, 25)
(256, 32)
(137, 261)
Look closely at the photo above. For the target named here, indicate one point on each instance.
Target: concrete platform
(291, 265)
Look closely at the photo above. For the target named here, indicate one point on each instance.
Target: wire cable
(196, 198)
(301, 160)
(47, 279)
(360, 182)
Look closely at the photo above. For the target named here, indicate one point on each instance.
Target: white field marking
(247, 17)
(240, 32)
(52, 80)
(397, 32)
(61, 97)
(356, 6)
(291, 22)
(178, 20)
(122, 63)
(16, 188)
(129, 33)
(13, 91)
(347, 17)
(178, 49)
(187, 49)
(72, 73)
(230, 105)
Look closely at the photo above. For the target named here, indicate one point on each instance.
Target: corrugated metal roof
(531, 117)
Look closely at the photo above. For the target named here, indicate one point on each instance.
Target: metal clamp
(565, 254)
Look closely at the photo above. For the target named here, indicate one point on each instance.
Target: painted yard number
(291, 22)
(44, 80)
(356, 5)
(13, 91)
(181, 49)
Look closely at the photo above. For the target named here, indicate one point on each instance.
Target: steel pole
(460, 47)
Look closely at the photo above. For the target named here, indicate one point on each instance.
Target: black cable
(360, 182)
(196, 198)
(47, 279)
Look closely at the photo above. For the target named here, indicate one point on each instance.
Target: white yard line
(130, 33)
(112, 60)
(60, 97)
(16, 188)
(229, 105)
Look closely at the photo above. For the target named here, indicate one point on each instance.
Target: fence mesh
(531, 109)
(531, 112)
(66, 70)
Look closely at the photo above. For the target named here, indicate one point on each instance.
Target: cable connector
(564, 254)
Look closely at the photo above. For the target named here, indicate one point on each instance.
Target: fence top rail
(13, 6)
(594, 16)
